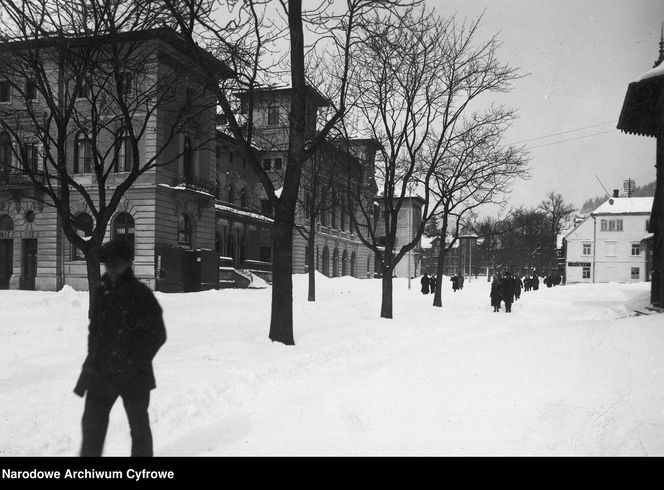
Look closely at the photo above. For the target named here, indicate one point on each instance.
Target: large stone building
(171, 204)
(198, 217)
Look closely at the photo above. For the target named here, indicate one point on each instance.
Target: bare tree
(86, 76)
(557, 213)
(253, 30)
(476, 170)
(416, 77)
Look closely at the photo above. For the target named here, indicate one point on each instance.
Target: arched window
(187, 159)
(82, 154)
(184, 230)
(326, 261)
(5, 156)
(353, 259)
(273, 113)
(243, 198)
(344, 263)
(6, 223)
(231, 195)
(123, 228)
(83, 224)
(125, 153)
(335, 263)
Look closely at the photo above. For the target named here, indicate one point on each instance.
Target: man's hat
(116, 250)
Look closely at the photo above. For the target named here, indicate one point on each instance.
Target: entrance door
(6, 262)
(29, 261)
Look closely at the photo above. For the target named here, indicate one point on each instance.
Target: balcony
(195, 184)
(16, 180)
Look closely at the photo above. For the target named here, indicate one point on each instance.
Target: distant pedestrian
(126, 330)
(507, 291)
(461, 279)
(495, 294)
(535, 282)
(455, 282)
(433, 280)
(516, 282)
(425, 281)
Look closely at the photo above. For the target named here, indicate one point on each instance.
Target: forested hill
(646, 190)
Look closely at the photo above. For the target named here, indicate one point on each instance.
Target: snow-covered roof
(655, 72)
(245, 214)
(624, 205)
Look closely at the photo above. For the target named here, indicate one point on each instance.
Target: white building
(609, 244)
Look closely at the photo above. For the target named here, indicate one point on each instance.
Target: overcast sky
(580, 56)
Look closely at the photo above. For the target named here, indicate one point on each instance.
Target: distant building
(611, 243)
(408, 221)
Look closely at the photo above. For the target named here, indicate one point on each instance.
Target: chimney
(616, 192)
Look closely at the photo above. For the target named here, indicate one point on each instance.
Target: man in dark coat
(507, 291)
(425, 281)
(495, 296)
(535, 282)
(126, 330)
(455, 282)
(518, 284)
(432, 283)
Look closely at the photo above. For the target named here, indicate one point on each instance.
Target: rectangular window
(277, 163)
(84, 89)
(603, 225)
(125, 88)
(5, 91)
(265, 254)
(30, 89)
(586, 249)
(267, 164)
(612, 225)
(586, 273)
(31, 156)
(636, 249)
(266, 207)
(635, 272)
(619, 225)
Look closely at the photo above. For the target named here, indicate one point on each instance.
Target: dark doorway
(6, 262)
(29, 261)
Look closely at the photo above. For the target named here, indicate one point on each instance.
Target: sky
(579, 57)
(570, 371)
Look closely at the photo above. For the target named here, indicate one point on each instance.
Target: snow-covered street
(570, 371)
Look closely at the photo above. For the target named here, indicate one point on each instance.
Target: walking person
(507, 291)
(433, 280)
(518, 284)
(461, 279)
(455, 282)
(126, 330)
(425, 281)
(495, 294)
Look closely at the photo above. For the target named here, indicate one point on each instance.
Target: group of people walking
(429, 283)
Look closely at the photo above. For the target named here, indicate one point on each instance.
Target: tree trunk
(281, 323)
(386, 304)
(311, 262)
(94, 279)
(438, 295)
